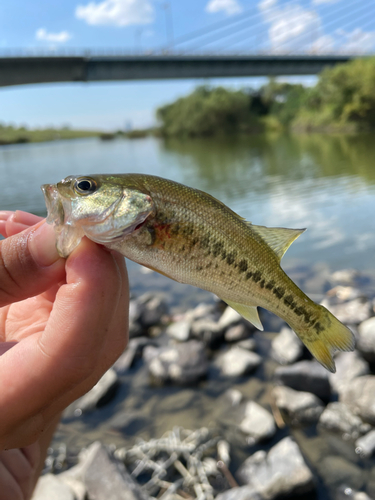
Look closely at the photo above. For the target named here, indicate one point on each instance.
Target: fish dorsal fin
(248, 312)
(278, 238)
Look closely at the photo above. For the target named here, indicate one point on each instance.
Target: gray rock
(338, 417)
(236, 362)
(257, 423)
(365, 445)
(286, 347)
(347, 493)
(307, 376)
(242, 493)
(336, 471)
(207, 330)
(236, 333)
(229, 318)
(50, 487)
(106, 478)
(100, 394)
(366, 339)
(341, 294)
(181, 364)
(359, 397)
(282, 471)
(133, 351)
(300, 407)
(232, 397)
(349, 365)
(152, 309)
(352, 312)
(180, 330)
(345, 276)
(248, 344)
(77, 487)
(202, 310)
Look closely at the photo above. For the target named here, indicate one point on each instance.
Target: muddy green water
(323, 183)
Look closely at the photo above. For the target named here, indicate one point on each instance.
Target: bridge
(21, 70)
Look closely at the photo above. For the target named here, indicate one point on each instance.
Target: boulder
(236, 333)
(349, 365)
(337, 417)
(152, 309)
(365, 445)
(366, 339)
(281, 471)
(106, 478)
(236, 362)
(351, 312)
(307, 376)
(180, 364)
(257, 423)
(286, 348)
(180, 330)
(242, 493)
(300, 407)
(102, 393)
(359, 397)
(336, 472)
(132, 352)
(50, 487)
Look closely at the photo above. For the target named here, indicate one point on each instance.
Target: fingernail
(42, 245)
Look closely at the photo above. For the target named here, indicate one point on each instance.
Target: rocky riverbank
(200, 405)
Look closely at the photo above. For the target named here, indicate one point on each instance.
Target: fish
(191, 237)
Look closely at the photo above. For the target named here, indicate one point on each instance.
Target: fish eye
(84, 186)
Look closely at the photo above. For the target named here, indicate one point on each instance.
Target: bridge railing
(122, 52)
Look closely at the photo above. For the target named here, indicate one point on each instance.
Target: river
(320, 182)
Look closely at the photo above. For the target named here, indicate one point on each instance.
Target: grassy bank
(14, 135)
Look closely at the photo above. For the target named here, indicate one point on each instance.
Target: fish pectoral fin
(248, 312)
(278, 238)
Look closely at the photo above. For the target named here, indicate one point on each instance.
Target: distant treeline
(19, 135)
(342, 100)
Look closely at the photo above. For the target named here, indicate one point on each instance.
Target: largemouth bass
(193, 238)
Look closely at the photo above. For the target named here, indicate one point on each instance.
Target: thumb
(29, 264)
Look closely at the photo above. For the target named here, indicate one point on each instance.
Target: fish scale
(193, 238)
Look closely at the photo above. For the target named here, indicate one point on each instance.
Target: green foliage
(209, 111)
(344, 98)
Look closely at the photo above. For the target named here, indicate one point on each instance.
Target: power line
(259, 32)
(233, 31)
(335, 20)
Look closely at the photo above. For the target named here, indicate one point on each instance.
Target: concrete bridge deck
(48, 69)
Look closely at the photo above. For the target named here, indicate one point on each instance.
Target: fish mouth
(55, 209)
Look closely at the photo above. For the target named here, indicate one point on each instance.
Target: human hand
(65, 321)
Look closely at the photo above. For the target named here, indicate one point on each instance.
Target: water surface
(323, 183)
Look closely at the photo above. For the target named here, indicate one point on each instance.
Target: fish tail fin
(327, 336)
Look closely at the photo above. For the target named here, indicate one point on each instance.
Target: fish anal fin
(248, 312)
(278, 238)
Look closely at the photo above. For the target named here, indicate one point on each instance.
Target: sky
(134, 26)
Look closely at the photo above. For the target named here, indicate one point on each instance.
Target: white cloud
(292, 27)
(323, 45)
(318, 2)
(266, 4)
(116, 12)
(229, 6)
(358, 41)
(62, 37)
